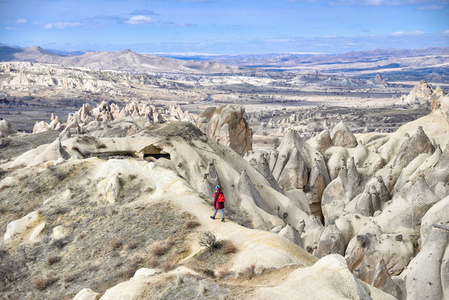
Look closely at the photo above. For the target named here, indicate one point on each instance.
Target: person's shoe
(222, 220)
(212, 217)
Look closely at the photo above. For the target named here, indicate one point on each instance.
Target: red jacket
(217, 205)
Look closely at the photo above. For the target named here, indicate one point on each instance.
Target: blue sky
(225, 26)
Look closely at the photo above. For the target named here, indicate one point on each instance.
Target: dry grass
(42, 283)
(9, 269)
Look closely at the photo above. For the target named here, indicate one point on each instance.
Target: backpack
(221, 198)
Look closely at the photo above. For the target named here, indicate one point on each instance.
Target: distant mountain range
(126, 60)
(290, 59)
(395, 63)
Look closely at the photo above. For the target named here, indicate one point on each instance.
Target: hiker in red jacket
(218, 203)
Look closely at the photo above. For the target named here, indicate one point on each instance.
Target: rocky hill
(116, 206)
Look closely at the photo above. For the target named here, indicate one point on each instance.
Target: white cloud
(332, 36)
(184, 24)
(140, 19)
(446, 31)
(401, 33)
(431, 7)
(367, 2)
(429, 4)
(398, 33)
(62, 25)
(21, 21)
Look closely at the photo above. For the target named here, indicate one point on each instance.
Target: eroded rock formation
(228, 125)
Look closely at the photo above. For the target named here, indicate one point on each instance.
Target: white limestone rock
(334, 281)
(342, 136)
(86, 294)
(18, 227)
(143, 272)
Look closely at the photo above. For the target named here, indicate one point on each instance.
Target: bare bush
(60, 243)
(222, 272)
(209, 240)
(152, 263)
(248, 272)
(71, 277)
(160, 249)
(53, 259)
(229, 247)
(208, 272)
(42, 283)
(192, 224)
(116, 244)
(166, 266)
(133, 245)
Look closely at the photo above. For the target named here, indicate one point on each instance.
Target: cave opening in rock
(151, 152)
(156, 156)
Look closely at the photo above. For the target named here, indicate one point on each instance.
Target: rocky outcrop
(412, 147)
(42, 126)
(293, 163)
(367, 264)
(335, 282)
(342, 136)
(6, 128)
(340, 191)
(331, 242)
(228, 125)
(421, 91)
(427, 273)
(119, 121)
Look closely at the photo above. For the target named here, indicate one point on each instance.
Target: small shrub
(152, 263)
(116, 244)
(53, 259)
(71, 277)
(160, 249)
(222, 273)
(192, 224)
(133, 246)
(60, 243)
(248, 272)
(209, 240)
(166, 266)
(129, 272)
(42, 283)
(208, 273)
(229, 247)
